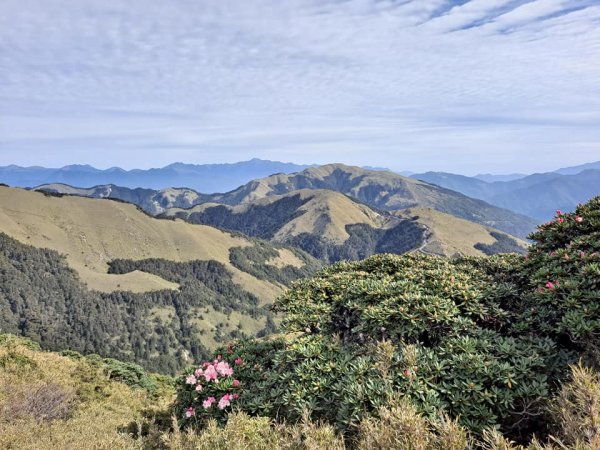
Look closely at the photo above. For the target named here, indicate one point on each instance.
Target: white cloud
(353, 78)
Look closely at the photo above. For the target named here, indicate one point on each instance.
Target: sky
(473, 86)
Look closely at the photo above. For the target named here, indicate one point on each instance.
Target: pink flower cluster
(560, 218)
(550, 285)
(213, 372)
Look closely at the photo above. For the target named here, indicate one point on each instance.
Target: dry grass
(92, 232)
(400, 427)
(243, 432)
(286, 258)
(52, 402)
(577, 409)
(451, 235)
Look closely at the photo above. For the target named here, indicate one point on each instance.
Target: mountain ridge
(200, 177)
(537, 195)
(383, 190)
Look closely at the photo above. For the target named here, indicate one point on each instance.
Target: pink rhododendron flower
(224, 369)
(235, 396)
(236, 383)
(558, 212)
(579, 219)
(198, 373)
(582, 254)
(190, 412)
(224, 402)
(593, 254)
(560, 220)
(208, 402)
(550, 285)
(191, 380)
(210, 373)
(198, 387)
(238, 361)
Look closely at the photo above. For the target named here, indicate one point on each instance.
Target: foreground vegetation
(49, 400)
(486, 342)
(392, 352)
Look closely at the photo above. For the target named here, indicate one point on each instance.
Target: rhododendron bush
(208, 390)
(486, 340)
(563, 274)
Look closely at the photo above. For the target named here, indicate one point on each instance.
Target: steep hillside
(281, 216)
(157, 292)
(384, 190)
(53, 401)
(91, 233)
(332, 226)
(43, 299)
(450, 236)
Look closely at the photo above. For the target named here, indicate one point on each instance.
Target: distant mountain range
(201, 177)
(334, 212)
(185, 185)
(537, 195)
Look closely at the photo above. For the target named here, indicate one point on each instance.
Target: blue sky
(462, 86)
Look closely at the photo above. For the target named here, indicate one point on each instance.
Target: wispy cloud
(421, 84)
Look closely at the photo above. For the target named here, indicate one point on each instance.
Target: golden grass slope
(382, 189)
(326, 213)
(448, 235)
(48, 401)
(91, 232)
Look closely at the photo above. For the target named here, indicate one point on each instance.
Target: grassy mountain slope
(332, 226)
(384, 190)
(92, 232)
(49, 401)
(42, 298)
(448, 235)
(312, 211)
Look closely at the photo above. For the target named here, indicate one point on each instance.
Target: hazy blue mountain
(490, 178)
(578, 169)
(470, 186)
(537, 195)
(541, 200)
(200, 177)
